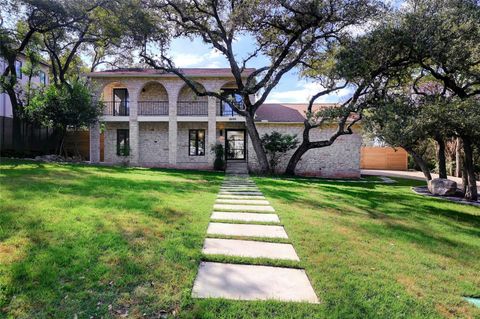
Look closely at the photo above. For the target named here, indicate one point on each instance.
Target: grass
(99, 241)
(103, 241)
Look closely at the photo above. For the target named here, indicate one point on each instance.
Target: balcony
(192, 108)
(152, 108)
(116, 108)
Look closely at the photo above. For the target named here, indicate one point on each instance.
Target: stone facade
(339, 160)
(163, 140)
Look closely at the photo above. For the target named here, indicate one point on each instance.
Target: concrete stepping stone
(244, 208)
(250, 282)
(249, 248)
(240, 197)
(239, 187)
(243, 201)
(246, 217)
(246, 230)
(233, 182)
(240, 193)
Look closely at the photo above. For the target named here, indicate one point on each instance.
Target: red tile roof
(194, 72)
(286, 112)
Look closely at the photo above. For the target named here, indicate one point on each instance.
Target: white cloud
(304, 92)
(211, 59)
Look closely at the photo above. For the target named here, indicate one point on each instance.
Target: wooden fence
(78, 142)
(385, 158)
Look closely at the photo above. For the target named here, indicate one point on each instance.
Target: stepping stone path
(240, 200)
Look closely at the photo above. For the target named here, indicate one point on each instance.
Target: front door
(235, 144)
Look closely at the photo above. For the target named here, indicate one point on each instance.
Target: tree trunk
(257, 144)
(471, 190)
(297, 155)
(421, 163)
(464, 180)
(442, 163)
(458, 157)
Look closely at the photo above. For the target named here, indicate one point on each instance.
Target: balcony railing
(116, 108)
(150, 108)
(192, 108)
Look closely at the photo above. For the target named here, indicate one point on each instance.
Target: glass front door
(235, 144)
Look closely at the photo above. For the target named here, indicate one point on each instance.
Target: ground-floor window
(123, 144)
(196, 143)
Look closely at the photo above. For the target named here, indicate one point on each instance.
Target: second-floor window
(225, 108)
(18, 69)
(43, 77)
(196, 142)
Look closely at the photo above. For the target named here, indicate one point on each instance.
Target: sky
(290, 89)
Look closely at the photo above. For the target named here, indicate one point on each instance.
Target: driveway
(407, 174)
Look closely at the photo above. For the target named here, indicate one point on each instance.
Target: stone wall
(184, 160)
(110, 143)
(341, 159)
(186, 94)
(153, 91)
(153, 144)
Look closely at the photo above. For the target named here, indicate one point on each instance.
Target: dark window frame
(197, 140)
(123, 134)
(18, 68)
(44, 75)
(224, 105)
(123, 105)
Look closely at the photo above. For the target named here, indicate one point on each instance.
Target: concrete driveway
(407, 174)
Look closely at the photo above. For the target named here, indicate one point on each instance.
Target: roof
(191, 72)
(41, 61)
(286, 112)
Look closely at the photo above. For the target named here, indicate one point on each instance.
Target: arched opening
(190, 104)
(228, 90)
(153, 99)
(116, 99)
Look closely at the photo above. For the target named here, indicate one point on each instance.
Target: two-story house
(154, 119)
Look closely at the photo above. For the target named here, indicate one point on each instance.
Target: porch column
(95, 142)
(134, 129)
(172, 125)
(212, 128)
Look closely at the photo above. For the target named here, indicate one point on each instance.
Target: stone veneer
(339, 160)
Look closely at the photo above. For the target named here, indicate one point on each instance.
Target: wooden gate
(385, 158)
(79, 141)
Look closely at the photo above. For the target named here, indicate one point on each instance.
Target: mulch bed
(457, 198)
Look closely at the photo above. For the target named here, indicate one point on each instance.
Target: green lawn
(104, 241)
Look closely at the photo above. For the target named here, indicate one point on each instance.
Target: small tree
(62, 107)
(219, 163)
(276, 146)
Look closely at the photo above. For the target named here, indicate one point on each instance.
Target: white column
(212, 127)
(133, 127)
(95, 142)
(172, 126)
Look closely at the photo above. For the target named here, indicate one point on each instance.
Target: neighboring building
(160, 122)
(22, 79)
(6, 112)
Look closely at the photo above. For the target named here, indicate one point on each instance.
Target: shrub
(277, 145)
(219, 163)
